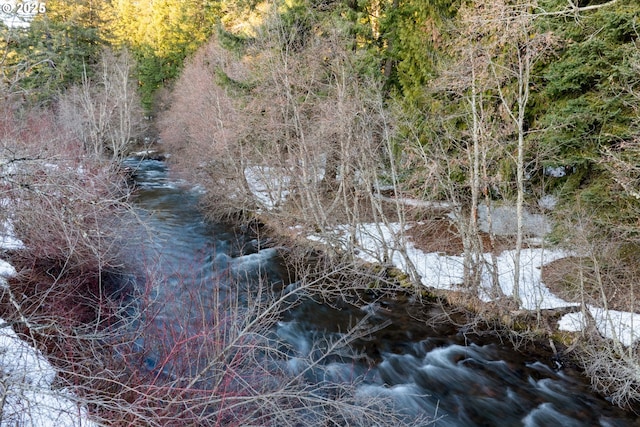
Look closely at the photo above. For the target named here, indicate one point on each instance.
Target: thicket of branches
(104, 111)
(295, 115)
(220, 364)
(291, 124)
(299, 123)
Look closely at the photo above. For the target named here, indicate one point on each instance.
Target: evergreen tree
(588, 105)
(55, 50)
(161, 34)
(411, 37)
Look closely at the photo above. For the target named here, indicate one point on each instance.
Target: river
(432, 369)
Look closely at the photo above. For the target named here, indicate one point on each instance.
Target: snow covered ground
(27, 392)
(379, 242)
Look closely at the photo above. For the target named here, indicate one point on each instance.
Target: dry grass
(573, 279)
(441, 236)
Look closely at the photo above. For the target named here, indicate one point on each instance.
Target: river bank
(580, 328)
(426, 248)
(411, 348)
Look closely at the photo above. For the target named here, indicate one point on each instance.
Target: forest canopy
(512, 99)
(542, 95)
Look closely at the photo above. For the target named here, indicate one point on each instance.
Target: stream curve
(437, 371)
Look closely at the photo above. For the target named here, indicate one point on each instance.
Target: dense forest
(345, 112)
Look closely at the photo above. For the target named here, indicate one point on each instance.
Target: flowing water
(434, 369)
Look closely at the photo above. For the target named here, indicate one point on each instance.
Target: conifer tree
(55, 50)
(161, 34)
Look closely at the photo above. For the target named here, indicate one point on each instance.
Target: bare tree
(489, 79)
(460, 160)
(63, 207)
(105, 110)
(206, 127)
(291, 127)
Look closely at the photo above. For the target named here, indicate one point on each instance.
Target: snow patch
(269, 185)
(27, 380)
(377, 242)
(612, 324)
(8, 239)
(6, 270)
(548, 202)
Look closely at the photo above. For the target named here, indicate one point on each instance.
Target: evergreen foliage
(55, 50)
(161, 35)
(587, 103)
(411, 32)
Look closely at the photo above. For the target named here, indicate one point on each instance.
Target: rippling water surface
(437, 371)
